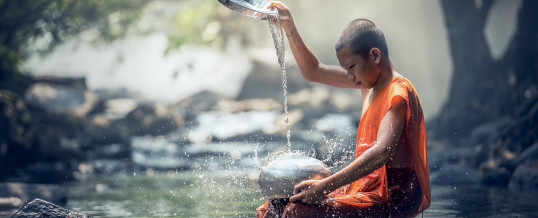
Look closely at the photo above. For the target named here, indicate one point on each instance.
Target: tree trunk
(483, 89)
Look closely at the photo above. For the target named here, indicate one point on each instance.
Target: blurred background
(169, 108)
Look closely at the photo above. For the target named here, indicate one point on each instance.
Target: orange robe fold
(370, 195)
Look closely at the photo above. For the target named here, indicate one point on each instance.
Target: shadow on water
(235, 193)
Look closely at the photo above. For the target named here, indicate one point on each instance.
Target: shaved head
(362, 35)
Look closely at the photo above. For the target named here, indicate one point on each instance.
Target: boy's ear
(375, 53)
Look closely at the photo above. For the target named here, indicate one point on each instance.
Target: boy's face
(363, 73)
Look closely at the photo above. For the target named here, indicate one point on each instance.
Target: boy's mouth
(358, 83)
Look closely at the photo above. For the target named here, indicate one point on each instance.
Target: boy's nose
(350, 77)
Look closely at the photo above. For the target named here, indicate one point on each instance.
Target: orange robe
(370, 195)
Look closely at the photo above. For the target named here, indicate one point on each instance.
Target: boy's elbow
(386, 154)
(309, 77)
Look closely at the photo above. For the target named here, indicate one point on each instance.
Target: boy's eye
(351, 66)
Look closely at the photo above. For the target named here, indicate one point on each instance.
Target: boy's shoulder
(401, 83)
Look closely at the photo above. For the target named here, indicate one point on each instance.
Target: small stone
(41, 208)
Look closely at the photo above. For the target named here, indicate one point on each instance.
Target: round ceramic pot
(278, 178)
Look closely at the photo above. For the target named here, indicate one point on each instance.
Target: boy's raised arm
(309, 65)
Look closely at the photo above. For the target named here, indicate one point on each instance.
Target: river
(234, 193)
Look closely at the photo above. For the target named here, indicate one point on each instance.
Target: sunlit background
(169, 108)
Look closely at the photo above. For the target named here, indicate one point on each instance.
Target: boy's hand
(309, 192)
(285, 15)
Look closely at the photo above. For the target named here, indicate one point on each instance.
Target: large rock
(119, 107)
(41, 208)
(17, 128)
(26, 192)
(525, 176)
(145, 120)
(202, 101)
(58, 99)
(27, 136)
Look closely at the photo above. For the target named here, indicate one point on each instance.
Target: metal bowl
(278, 178)
(251, 8)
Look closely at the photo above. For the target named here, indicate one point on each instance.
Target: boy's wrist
(291, 32)
(326, 184)
(289, 28)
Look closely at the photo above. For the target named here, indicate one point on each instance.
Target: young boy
(390, 175)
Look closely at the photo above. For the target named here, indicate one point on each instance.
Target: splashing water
(278, 39)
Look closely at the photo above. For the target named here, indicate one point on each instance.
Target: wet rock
(144, 120)
(57, 99)
(455, 174)
(119, 107)
(26, 192)
(41, 208)
(17, 130)
(525, 176)
(27, 136)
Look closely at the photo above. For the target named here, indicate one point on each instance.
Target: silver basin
(251, 8)
(278, 178)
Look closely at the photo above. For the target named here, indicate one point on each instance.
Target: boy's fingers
(296, 197)
(275, 4)
(297, 188)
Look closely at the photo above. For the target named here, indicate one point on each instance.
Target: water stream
(278, 39)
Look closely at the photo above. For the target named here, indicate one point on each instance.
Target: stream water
(278, 39)
(232, 193)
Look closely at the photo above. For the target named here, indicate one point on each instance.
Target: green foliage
(23, 21)
(208, 23)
